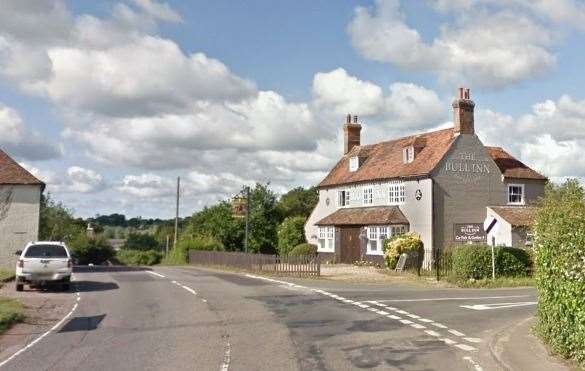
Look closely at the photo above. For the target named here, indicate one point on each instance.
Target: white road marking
(426, 320)
(465, 347)
(413, 316)
(448, 341)
(456, 333)
(476, 366)
(384, 313)
(394, 317)
(32, 343)
(156, 274)
(417, 326)
(473, 340)
(498, 305)
(406, 321)
(455, 298)
(439, 325)
(432, 333)
(225, 365)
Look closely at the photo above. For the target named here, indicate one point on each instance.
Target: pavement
(189, 318)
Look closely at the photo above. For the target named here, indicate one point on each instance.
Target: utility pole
(177, 214)
(247, 219)
(167, 248)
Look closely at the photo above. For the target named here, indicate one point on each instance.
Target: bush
(475, 262)
(94, 250)
(304, 249)
(409, 243)
(142, 242)
(136, 257)
(179, 254)
(560, 269)
(290, 234)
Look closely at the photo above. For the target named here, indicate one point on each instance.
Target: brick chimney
(463, 113)
(351, 134)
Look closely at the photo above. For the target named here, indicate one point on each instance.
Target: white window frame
(408, 154)
(368, 195)
(354, 163)
(398, 229)
(522, 194)
(343, 198)
(396, 193)
(326, 240)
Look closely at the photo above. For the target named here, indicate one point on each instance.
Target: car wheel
(19, 287)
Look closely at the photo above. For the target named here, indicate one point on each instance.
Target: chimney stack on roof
(463, 113)
(351, 134)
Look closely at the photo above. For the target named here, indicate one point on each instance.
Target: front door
(349, 244)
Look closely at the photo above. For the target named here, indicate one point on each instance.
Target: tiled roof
(517, 216)
(376, 215)
(384, 160)
(512, 167)
(12, 173)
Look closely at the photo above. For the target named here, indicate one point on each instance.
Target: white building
(439, 184)
(20, 197)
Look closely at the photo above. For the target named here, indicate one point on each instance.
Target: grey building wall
(465, 182)
(19, 220)
(533, 189)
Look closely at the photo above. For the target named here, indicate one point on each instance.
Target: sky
(108, 102)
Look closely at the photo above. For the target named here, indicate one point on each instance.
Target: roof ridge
(23, 176)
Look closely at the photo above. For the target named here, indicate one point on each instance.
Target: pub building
(443, 185)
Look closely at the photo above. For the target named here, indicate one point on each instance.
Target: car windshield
(46, 251)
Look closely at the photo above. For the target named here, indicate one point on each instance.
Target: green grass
(499, 282)
(6, 274)
(11, 312)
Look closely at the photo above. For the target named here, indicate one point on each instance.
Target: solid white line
(456, 333)
(156, 274)
(498, 305)
(29, 345)
(455, 298)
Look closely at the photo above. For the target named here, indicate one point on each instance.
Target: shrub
(94, 250)
(560, 269)
(290, 234)
(304, 249)
(179, 254)
(138, 241)
(137, 257)
(475, 262)
(409, 243)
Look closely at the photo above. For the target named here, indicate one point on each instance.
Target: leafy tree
(264, 219)
(142, 242)
(290, 234)
(95, 250)
(57, 222)
(298, 202)
(218, 222)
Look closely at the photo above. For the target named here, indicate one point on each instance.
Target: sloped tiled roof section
(384, 160)
(517, 216)
(12, 173)
(375, 215)
(512, 167)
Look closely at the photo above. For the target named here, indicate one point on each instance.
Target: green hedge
(94, 250)
(137, 257)
(304, 249)
(560, 269)
(475, 262)
(178, 255)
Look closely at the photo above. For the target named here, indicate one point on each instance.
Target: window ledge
(379, 253)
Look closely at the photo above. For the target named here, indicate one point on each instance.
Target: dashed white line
(439, 325)
(156, 274)
(456, 333)
(472, 340)
(406, 321)
(476, 366)
(417, 326)
(465, 347)
(432, 333)
(448, 341)
(225, 365)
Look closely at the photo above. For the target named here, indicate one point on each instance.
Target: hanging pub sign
(469, 232)
(239, 206)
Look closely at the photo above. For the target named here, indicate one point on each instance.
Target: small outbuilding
(512, 225)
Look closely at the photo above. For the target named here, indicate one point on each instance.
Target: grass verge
(11, 312)
(6, 274)
(499, 282)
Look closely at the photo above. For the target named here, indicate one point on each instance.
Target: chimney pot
(463, 113)
(351, 134)
(355, 119)
(349, 118)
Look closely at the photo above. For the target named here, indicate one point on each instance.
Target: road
(198, 319)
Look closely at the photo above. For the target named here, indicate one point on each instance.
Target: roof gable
(12, 173)
(512, 167)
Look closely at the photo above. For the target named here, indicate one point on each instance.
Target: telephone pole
(247, 219)
(177, 212)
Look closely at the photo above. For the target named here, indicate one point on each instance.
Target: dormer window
(354, 163)
(408, 154)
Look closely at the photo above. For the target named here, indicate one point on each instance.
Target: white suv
(42, 263)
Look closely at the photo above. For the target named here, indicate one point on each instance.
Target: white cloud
(483, 47)
(20, 141)
(158, 10)
(82, 180)
(147, 186)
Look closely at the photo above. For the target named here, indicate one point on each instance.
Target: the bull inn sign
(467, 167)
(469, 232)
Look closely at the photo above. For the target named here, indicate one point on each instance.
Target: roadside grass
(6, 274)
(499, 282)
(11, 312)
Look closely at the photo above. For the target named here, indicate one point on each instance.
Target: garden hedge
(560, 269)
(475, 262)
(304, 249)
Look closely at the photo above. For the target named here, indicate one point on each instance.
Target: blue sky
(109, 101)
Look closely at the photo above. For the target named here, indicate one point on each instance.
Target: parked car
(42, 263)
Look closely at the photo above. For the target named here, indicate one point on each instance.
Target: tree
(57, 222)
(218, 222)
(264, 219)
(290, 234)
(298, 202)
(94, 250)
(142, 242)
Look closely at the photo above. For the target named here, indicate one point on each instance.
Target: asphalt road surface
(198, 319)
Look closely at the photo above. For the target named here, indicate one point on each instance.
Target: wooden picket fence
(299, 266)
